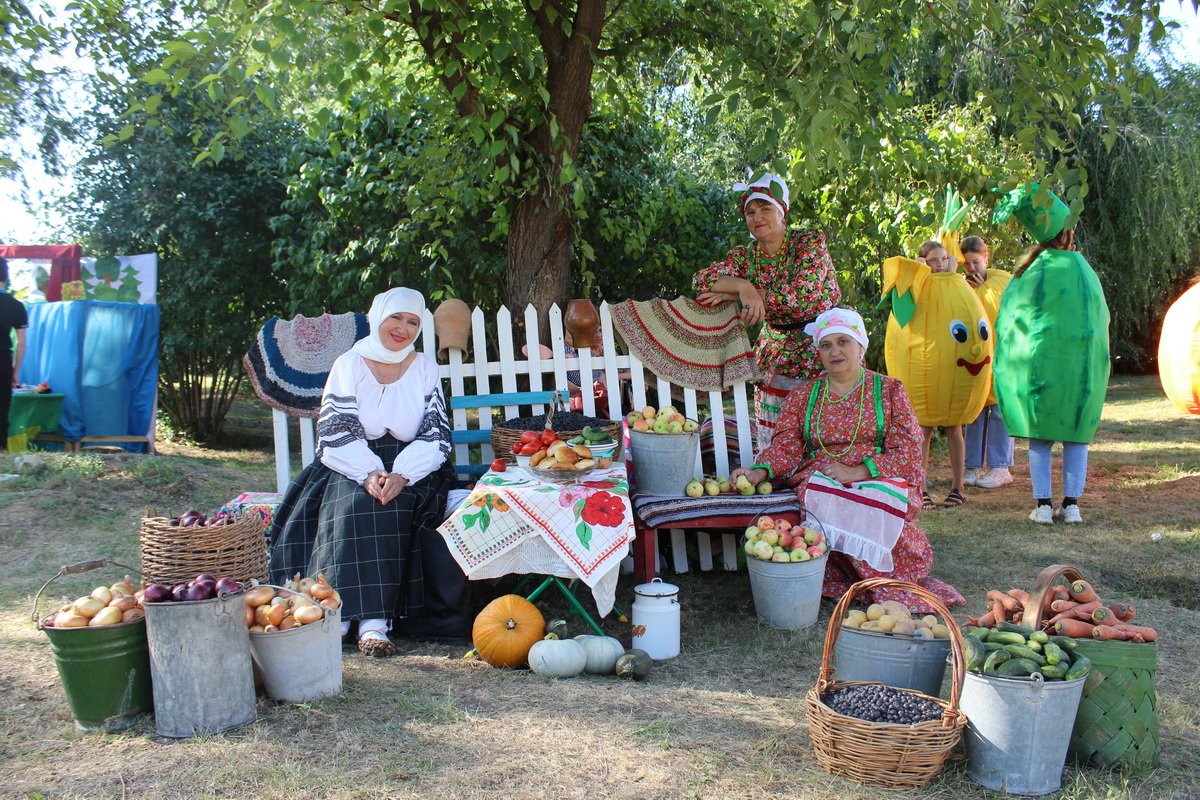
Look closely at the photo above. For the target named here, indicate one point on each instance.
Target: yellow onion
(293, 584)
(276, 614)
(288, 623)
(261, 615)
(258, 595)
(132, 614)
(270, 629)
(306, 584)
(249, 615)
(306, 615)
(124, 602)
(298, 600)
(71, 621)
(89, 606)
(103, 594)
(256, 628)
(321, 590)
(332, 603)
(106, 616)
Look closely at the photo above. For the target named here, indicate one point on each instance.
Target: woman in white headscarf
(365, 512)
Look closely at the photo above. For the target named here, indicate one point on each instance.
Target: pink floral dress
(848, 425)
(799, 282)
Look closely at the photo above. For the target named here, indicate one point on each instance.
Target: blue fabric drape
(103, 357)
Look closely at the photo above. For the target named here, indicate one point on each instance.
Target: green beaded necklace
(758, 257)
(824, 399)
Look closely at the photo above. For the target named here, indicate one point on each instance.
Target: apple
(816, 551)
(798, 543)
(812, 536)
(785, 539)
(765, 487)
(694, 489)
(711, 487)
(753, 530)
(781, 558)
(766, 523)
(783, 525)
(749, 546)
(690, 425)
(771, 537)
(641, 425)
(800, 555)
(660, 425)
(667, 411)
(632, 417)
(675, 427)
(723, 480)
(763, 550)
(648, 412)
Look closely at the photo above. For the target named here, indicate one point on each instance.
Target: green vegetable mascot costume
(1051, 368)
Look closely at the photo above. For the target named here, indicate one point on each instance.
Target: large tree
(521, 79)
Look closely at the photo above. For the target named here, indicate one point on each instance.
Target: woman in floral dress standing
(784, 279)
(854, 425)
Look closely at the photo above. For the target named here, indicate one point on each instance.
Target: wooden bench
(499, 380)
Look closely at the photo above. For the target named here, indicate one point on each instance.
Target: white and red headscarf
(771, 188)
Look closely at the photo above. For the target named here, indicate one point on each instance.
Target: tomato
(529, 437)
(499, 465)
(548, 437)
(516, 448)
(530, 449)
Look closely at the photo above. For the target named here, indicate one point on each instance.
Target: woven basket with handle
(877, 753)
(1117, 722)
(173, 554)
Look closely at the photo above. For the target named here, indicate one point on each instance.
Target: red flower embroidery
(603, 508)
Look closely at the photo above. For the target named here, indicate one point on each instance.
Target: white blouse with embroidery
(356, 408)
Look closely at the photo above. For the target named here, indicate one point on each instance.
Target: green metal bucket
(105, 671)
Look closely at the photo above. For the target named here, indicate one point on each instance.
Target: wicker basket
(504, 438)
(877, 753)
(172, 554)
(1117, 722)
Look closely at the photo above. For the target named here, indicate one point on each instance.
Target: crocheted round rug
(290, 359)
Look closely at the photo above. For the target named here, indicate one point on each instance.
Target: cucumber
(1039, 636)
(994, 660)
(1034, 645)
(1053, 653)
(979, 633)
(1021, 651)
(992, 646)
(1053, 672)
(974, 653)
(1081, 667)
(1065, 642)
(1006, 637)
(1011, 627)
(1017, 668)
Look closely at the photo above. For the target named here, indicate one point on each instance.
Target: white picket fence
(500, 374)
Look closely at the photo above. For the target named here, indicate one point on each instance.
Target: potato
(886, 622)
(857, 614)
(896, 609)
(852, 623)
(929, 620)
(940, 632)
(904, 627)
(875, 611)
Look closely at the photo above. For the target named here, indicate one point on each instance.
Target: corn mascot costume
(1179, 352)
(939, 342)
(1051, 332)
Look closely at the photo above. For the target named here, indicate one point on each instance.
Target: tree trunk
(539, 256)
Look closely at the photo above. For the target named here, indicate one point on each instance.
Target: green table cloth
(30, 415)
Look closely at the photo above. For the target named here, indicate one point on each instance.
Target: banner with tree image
(121, 279)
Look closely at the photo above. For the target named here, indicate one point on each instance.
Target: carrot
(988, 620)
(1010, 604)
(1075, 628)
(1060, 593)
(1084, 610)
(1123, 611)
(1059, 606)
(1109, 632)
(1137, 632)
(1105, 616)
(1082, 592)
(1021, 596)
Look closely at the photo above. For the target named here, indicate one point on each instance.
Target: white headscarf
(390, 302)
(839, 320)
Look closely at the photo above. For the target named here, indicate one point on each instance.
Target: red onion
(228, 586)
(156, 593)
(178, 591)
(204, 576)
(202, 590)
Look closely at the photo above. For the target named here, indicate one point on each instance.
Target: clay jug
(583, 321)
(452, 326)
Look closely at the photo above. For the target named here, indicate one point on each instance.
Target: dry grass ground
(723, 720)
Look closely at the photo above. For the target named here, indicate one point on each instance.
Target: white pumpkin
(602, 653)
(557, 658)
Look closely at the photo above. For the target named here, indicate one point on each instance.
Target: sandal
(376, 645)
(927, 503)
(955, 498)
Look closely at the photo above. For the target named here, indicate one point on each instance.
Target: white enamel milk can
(656, 619)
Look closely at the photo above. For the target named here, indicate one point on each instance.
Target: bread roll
(557, 445)
(566, 455)
(582, 450)
(584, 463)
(537, 458)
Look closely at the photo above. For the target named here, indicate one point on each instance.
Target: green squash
(635, 665)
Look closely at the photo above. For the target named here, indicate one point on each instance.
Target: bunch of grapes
(562, 421)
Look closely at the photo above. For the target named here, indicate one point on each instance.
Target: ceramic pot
(583, 321)
(452, 326)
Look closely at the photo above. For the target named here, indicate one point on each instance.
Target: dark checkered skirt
(371, 554)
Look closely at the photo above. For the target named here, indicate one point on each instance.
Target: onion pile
(106, 605)
(194, 519)
(202, 587)
(299, 602)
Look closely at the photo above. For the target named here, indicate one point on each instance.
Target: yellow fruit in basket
(107, 616)
(103, 594)
(89, 606)
(886, 622)
(875, 611)
(940, 632)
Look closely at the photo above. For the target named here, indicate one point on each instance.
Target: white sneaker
(970, 476)
(995, 478)
(1071, 514)
(1042, 515)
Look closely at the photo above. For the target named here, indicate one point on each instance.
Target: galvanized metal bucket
(105, 671)
(906, 662)
(663, 463)
(787, 596)
(200, 655)
(1018, 730)
(301, 664)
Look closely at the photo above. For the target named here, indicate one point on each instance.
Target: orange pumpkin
(1179, 352)
(506, 629)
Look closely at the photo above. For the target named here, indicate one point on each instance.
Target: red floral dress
(799, 282)
(840, 428)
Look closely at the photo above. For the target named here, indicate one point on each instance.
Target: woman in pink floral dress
(854, 425)
(784, 279)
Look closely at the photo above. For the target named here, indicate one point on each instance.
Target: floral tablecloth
(513, 523)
